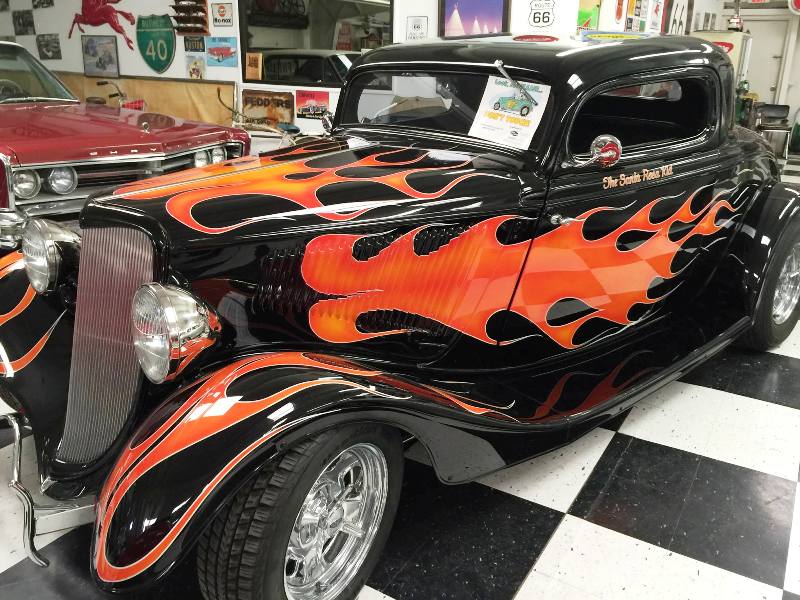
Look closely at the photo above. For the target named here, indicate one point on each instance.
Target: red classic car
(55, 151)
(221, 53)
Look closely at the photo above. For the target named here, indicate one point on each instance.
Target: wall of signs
(147, 45)
(562, 18)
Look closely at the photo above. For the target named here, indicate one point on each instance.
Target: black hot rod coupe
(231, 358)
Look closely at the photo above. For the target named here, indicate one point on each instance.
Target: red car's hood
(45, 133)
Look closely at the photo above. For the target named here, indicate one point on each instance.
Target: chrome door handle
(559, 220)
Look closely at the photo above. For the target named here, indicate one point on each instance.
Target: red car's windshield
(24, 79)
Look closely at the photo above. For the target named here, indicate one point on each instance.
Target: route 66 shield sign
(155, 37)
(542, 13)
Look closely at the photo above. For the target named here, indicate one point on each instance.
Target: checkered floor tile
(692, 494)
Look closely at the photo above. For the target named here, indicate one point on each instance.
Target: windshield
(23, 79)
(481, 106)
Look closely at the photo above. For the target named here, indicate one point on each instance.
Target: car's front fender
(198, 447)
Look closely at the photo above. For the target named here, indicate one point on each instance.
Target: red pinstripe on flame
(9, 264)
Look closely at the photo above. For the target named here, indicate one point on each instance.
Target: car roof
(7, 43)
(558, 61)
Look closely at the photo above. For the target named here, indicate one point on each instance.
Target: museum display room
(399, 299)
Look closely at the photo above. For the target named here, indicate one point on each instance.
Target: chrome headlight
(201, 159)
(218, 155)
(44, 245)
(63, 180)
(171, 327)
(27, 184)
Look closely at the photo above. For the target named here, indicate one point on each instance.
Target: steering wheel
(10, 89)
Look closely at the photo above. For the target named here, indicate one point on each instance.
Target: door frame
(789, 44)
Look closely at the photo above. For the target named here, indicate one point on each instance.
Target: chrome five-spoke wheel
(787, 292)
(337, 524)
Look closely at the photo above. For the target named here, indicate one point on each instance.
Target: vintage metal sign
(268, 107)
(155, 37)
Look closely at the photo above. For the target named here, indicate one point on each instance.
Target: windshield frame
(45, 77)
(541, 140)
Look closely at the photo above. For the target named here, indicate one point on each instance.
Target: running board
(39, 519)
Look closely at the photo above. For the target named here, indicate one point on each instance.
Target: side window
(293, 69)
(645, 114)
(330, 76)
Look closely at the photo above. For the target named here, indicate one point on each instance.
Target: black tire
(765, 332)
(241, 556)
(525, 110)
(497, 106)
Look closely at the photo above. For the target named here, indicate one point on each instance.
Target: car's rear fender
(774, 208)
(192, 454)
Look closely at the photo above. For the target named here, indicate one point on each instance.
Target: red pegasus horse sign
(101, 12)
(794, 6)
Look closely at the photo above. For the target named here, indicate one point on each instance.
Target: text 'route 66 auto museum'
(399, 299)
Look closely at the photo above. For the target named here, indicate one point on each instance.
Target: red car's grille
(105, 378)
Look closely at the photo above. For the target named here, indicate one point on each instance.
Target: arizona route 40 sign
(155, 37)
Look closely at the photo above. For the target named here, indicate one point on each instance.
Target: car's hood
(322, 185)
(58, 132)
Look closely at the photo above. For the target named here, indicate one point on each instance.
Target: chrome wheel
(337, 524)
(787, 292)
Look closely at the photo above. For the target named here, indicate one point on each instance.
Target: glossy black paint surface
(391, 276)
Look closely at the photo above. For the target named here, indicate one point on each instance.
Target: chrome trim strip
(41, 519)
(6, 160)
(24, 496)
(132, 158)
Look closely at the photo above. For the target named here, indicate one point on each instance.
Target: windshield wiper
(36, 99)
(499, 66)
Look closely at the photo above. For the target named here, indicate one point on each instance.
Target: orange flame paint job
(461, 285)
(294, 181)
(9, 264)
(465, 282)
(206, 412)
(602, 391)
(564, 264)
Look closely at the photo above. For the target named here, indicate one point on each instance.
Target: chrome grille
(105, 378)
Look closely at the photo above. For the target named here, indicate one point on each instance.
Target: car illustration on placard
(514, 104)
(238, 385)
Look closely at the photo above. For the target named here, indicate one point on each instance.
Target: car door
(620, 242)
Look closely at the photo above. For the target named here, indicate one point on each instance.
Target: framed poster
(416, 29)
(312, 104)
(473, 18)
(49, 46)
(100, 56)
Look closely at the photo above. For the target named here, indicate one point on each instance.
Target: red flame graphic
(602, 391)
(462, 284)
(9, 264)
(564, 264)
(294, 181)
(465, 282)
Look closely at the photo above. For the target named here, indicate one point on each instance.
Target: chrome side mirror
(606, 150)
(327, 122)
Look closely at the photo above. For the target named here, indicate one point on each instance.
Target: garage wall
(566, 16)
(170, 92)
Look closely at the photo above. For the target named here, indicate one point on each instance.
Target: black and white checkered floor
(693, 494)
